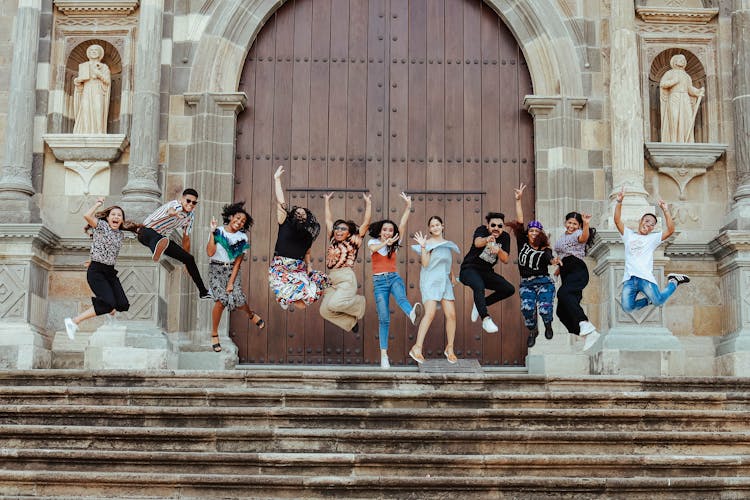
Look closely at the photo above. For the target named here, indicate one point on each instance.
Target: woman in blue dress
(436, 284)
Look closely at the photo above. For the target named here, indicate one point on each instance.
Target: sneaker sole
(161, 245)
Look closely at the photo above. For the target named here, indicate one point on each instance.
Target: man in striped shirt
(173, 215)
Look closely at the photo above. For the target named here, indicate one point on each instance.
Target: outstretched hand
(420, 238)
(367, 197)
(586, 218)
(663, 205)
(279, 172)
(621, 194)
(213, 224)
(328, 196)
(519, 191)
(406, 198)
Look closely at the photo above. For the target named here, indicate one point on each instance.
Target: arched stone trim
(544, 39)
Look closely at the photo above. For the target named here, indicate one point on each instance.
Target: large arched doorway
(419, 95)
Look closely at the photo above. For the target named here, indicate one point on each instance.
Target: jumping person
(341, 305)
(639, 259)
(436, 285)
(537, 289)
(176, 214)
(226, 246)
(106, 228)
(489, 244)
(571, 248)
(290, 275)
(386, 281)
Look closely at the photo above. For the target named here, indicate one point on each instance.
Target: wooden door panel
(382, 96)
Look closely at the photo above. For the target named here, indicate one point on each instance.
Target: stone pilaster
(739, 217)
(626, 127)
(732, 249)
(141, 194)
(211, 172)
(25, 262)
(16, 188)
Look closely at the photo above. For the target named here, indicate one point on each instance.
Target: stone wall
(8, 10)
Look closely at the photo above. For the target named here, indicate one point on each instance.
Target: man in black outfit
(490, 244)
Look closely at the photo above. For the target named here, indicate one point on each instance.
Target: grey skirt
(218, 278)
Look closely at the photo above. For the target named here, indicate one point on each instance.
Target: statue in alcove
(679, 102)
(91, 98)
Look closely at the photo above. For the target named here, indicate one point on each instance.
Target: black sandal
(216, 347)
(258, 322)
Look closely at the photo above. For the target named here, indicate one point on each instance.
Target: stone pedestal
(86, 155)
(683, 162)
(25, 261)
(130, 346)
(637, 343)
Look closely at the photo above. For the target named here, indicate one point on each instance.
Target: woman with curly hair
(105, 228)
(537, 289)
(341, 305)
(226, 246)
(290, 275)
(386, 281)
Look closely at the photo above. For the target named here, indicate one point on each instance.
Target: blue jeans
(383, 286)
(536, 294)
(654, 296)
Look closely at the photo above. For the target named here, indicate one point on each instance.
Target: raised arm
(405, 216)
(329, 218)
(368, 215)
(279, 192)
(618, 210)
(518, 193)
(584, 237)
(89, 215)
(667, 219)
(422, 240)
(211, 245)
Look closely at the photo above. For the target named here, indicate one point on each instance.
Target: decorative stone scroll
(683, 162)
(86, 155)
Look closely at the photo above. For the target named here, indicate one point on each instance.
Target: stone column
(16, 187)
(638, 343)
(211, 172)
(141, 194)
(732, 246)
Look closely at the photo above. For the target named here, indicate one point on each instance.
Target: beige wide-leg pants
(341, 305)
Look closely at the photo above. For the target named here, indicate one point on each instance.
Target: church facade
(455, 102)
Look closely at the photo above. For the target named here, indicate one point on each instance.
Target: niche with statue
(91, 126)
(679, 131)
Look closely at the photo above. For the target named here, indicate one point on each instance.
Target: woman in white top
(226, 247)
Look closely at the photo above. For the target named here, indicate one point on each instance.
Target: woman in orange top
(386, 281)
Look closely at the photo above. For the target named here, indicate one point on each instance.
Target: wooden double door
(382, 96)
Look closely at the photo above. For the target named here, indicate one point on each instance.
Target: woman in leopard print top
(106, 230)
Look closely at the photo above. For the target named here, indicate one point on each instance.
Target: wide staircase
(370, 434)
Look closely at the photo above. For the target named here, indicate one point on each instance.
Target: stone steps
(504, 419)
(317, 434)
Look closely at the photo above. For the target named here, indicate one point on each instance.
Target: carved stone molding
(675, 15)
(96, 8)
(683, 162)
(540, 105)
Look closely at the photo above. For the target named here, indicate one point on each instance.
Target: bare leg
(255, 318)
(216, 313)
(87, 314)
(300, 304)
(430, 307)
(449, 309)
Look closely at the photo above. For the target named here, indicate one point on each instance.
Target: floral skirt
(218, 279)
(290, 281)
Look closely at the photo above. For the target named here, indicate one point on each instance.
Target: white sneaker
(591, 340)
(586, 328)
(489, 326)
(384, 364)
(474, 314)
(70, 328)
(416, 314)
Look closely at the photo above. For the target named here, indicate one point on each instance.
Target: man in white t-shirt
(639, 260)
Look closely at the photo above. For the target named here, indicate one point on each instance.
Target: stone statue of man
(91, 99)
(679, 102)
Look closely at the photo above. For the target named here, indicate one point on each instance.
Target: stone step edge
(96, 480)
(416, 460)
(114, 412)
(371, 394)
(372, 434)
(297, 378)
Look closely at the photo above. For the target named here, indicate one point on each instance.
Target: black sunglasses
(495, 225)
(192, 202)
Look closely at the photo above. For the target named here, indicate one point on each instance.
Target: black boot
(548, 333)
(532, 338)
